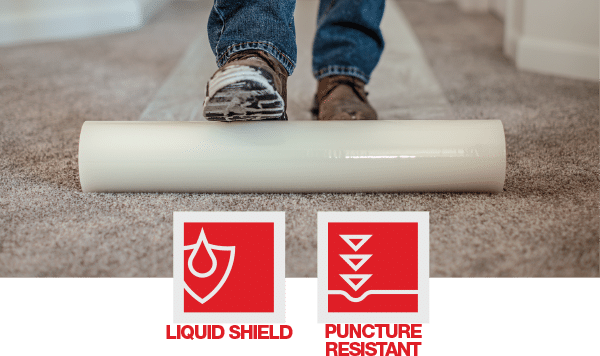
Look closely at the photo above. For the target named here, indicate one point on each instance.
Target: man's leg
(346, 49)
(254, 43)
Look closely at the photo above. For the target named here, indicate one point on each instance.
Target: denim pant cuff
(341, 70)
(268, 47)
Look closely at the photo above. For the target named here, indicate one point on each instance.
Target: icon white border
(420, 217)
(278, 314)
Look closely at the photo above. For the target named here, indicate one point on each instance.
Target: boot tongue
(357, 85)
(253, 55)
(328, 84)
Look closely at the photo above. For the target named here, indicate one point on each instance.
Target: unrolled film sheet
(293, 156)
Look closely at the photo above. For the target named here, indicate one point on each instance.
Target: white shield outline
(209, 247)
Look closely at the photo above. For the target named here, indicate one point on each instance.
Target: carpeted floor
(544, 224)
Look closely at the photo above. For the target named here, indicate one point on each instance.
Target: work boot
(342, 97)
(252, 85)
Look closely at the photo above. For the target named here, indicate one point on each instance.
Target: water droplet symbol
(208, 248)
(200, 250)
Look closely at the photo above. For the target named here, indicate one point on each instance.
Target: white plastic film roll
(293, 156)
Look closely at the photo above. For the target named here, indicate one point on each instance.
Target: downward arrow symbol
(355, 266)
(361, 277)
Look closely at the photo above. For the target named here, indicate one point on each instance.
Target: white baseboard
(75, 21)
(557, 58)
(513, 27)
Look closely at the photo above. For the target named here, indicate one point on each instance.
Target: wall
(558, 37)
(554, 36)
(48, 20)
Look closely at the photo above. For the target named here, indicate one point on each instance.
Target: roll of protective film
(293, 156)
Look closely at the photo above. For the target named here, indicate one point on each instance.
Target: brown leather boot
(342, 97)
(252, 85)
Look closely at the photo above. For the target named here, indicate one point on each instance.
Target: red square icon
(373, 267)
(229, 267)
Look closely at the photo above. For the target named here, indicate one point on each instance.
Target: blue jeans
(348, 39)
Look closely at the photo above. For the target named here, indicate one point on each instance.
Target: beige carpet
(544, 224)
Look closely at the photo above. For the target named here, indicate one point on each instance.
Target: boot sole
(242, 93)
